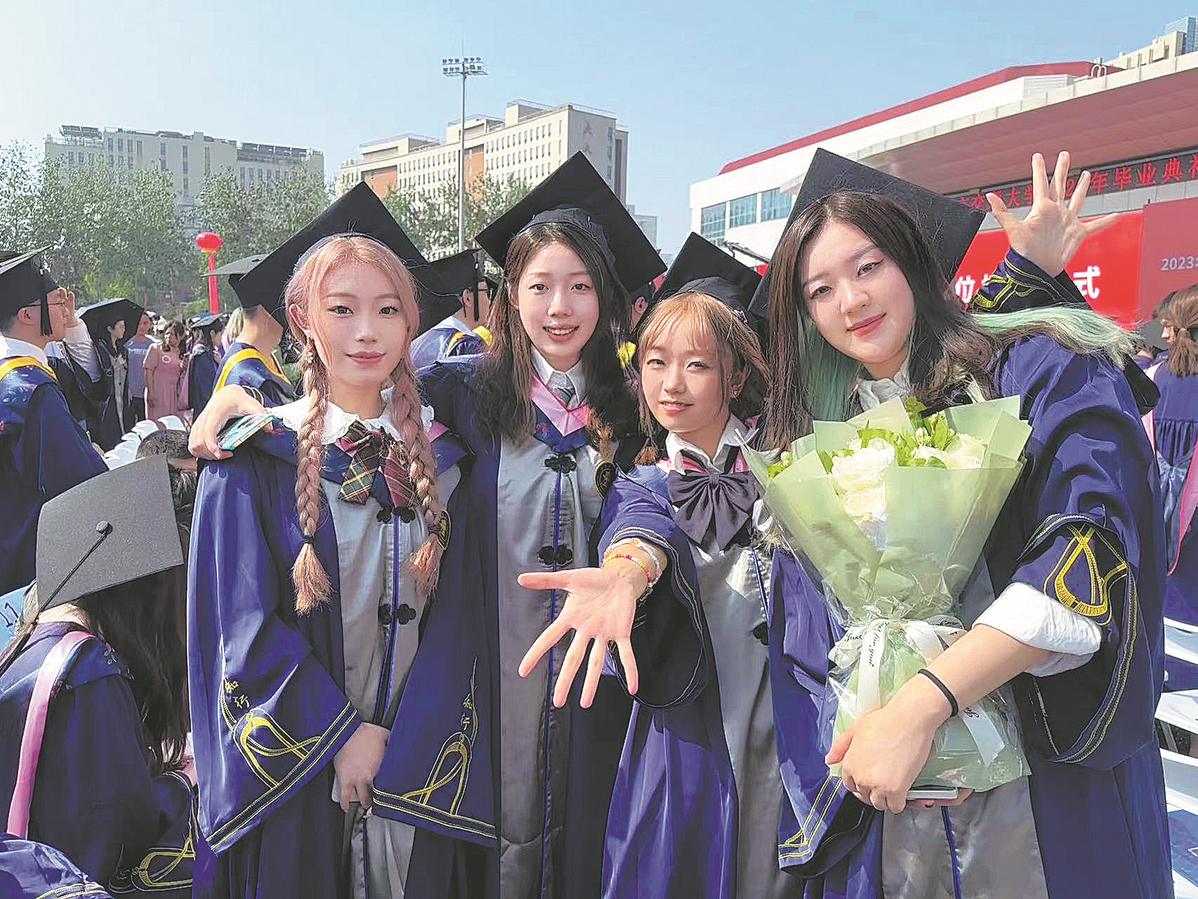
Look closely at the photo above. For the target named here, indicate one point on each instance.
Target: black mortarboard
(203, 322)
(576, 193)
(359, 212)
(703, 267)
(458, 273)
(25, 281)
(1153, 334)
(947, 225)
(235, 270)
(101, 316)
(109, 530)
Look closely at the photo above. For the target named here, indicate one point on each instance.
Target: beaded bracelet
(640, 563)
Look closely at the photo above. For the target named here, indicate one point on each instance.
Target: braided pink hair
(312, 586)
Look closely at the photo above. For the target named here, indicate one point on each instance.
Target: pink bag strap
(1188, 505)
(1149, 419)
(35, 726)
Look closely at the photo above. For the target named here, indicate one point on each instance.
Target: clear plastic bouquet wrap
(894, 508)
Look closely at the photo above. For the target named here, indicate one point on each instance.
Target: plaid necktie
(366, 450)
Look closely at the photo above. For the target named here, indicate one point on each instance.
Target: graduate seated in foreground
(93, 688)
(334, 751)
(1063, 614)
(250, 359)
(43, 449)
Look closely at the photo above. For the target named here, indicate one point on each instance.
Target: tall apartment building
(529, 142)
(1180, 37)
(189, 159)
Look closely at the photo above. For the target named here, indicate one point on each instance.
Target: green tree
(430, 218)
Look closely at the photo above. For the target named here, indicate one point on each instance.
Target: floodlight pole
(464, 66)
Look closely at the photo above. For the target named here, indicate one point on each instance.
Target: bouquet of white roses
(894, 508)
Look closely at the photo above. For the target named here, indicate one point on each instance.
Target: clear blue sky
(697, 84)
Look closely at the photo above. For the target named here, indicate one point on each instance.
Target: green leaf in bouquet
(826, 458)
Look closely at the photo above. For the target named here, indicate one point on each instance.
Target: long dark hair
(811, 378)
(951, 351)
(145, 622)
(504, 376)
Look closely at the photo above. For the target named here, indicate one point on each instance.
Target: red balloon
(208, 241)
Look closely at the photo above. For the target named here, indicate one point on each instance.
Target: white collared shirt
(76, 344)
(336, 420)
(730, 441)
(16, 347)
(874, 393)
(545, 371)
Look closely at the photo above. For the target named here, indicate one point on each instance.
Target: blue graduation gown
(128, 829)
(245, 366)
(43, 452)
(578, 754)
(32, 870)
(1175, 427)
(437, 342)
(105, 423)
(201, 375)
(266, 688)
(1082, 525)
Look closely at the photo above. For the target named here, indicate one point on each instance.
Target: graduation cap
(25, 281)
(359, 212)
(459, 273)
(204, 322)
(114, 528)
(947, 225)
(234, 271)
(576, 193)
(101, 316)
(702, 267)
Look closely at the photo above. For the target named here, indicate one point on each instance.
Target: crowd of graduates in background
(287, 596)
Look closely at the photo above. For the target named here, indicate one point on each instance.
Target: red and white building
(1136, 130)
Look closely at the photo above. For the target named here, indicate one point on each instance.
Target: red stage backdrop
(1170, 258)
(1106, 268)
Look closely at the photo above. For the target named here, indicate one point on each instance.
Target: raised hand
(68, 297)
(1051, 232)
(600, 605)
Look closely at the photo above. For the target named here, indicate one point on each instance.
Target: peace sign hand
(600, 605)
(1052, 231)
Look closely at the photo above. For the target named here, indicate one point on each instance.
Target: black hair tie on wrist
(948, 694)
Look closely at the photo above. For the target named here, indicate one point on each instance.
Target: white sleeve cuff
(1027, 615)
(79, 345)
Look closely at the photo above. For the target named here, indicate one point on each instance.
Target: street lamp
(465, 66)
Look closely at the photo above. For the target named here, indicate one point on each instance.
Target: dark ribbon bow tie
(703, 499)
(368, 452)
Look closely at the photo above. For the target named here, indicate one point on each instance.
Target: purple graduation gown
(267, 702)
(43, 452)
(578, 749)
(242, 365)
(128, 829)
(1083, 525)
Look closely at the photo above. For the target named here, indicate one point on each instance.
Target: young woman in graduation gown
(544, 411)
(859, 313)
(105, 635)
(1173, 431)
(318, 546)
(698, 796)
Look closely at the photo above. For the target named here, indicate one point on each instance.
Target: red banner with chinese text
(1106, 268)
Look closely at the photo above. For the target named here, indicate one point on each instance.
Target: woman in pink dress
(164, 371)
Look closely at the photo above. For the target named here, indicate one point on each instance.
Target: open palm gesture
(600, 605)
(1052, 231)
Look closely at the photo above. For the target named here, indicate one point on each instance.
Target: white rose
(866, 505)
(966, 452)
(930, 452)
(864, 469)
